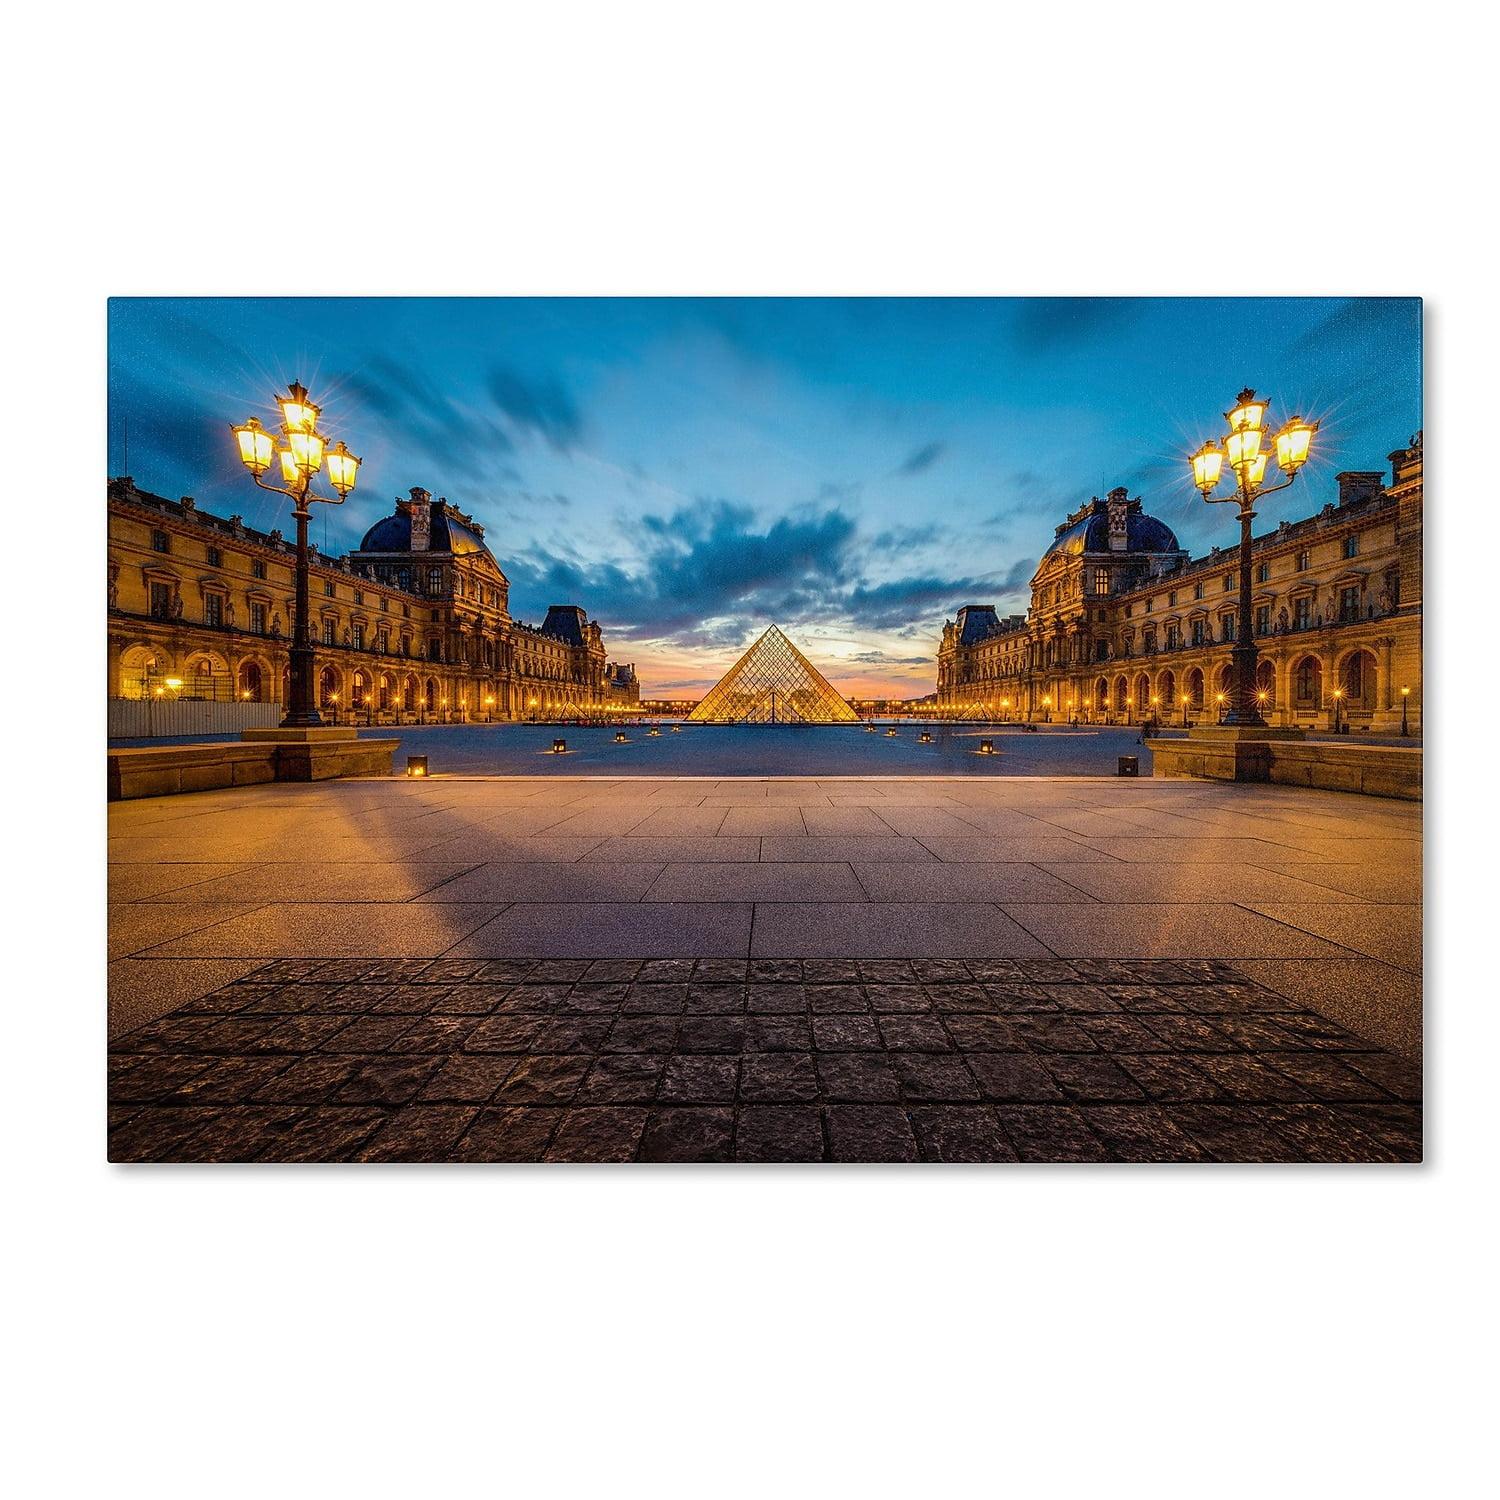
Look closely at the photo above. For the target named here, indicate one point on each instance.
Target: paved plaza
(841, 969)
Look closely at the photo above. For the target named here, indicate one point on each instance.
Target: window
(1150, 605)
(1174, 638)
(1172, 598)
(359, 637)
(403, 579)
(1197, 635)
(160, 542)
(359, 596)
(434, 649)
(1228, 626)
(1263, 573)
(1228, 582)
(1349, 604)
(214, 556)
(1129, 610)
(1263, 619)
(406, 645)
(161, 601)
(385, 604)
(328, 589)
(1304, 561)
(434, 580)
(1351, 546)
(382, 641)
(213, 609)
(1302, 613)
(258, 618)
(257, 567)
(1308, 683)
(1101, 583)
(328, 638)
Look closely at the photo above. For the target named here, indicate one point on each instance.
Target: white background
(1225, 1332)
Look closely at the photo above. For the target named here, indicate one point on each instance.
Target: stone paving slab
(380, 1059)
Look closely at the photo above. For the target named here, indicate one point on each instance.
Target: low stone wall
(162, 718)
(1375, 770)
(164, 770)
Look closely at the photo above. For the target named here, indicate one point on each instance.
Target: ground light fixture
(677, 729)
(890, 733)
(416, 765)
(925, 738)
(621, 737)
(559, 747)
(1247, 460)
(653, 730)
(303, 453)
(986, 747)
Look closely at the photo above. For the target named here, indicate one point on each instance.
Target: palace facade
(412, 626)
(1124, 627)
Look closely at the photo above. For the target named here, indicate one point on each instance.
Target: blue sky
(693, 470)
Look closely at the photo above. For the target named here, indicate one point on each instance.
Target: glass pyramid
(773, 683)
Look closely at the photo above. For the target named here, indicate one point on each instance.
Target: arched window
(431, 695)
(359, 689)
(252, 686)
(1307, 683)
(328, 688)
(1195, 687)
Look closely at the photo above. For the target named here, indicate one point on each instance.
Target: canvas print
(765, 730)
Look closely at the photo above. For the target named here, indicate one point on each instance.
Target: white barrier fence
(161, 718)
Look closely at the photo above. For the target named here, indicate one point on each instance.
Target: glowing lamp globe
(307, 449)
(1248, 414)
(257, 448)
(1208, 464)
(1242, 447)
(343, 468)
(298, 414)
(1294, 443)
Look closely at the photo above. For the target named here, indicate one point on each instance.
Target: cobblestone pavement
(692, 1060)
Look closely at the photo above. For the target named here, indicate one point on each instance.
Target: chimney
(1359, 484)
(1119, 525)
(421, 519)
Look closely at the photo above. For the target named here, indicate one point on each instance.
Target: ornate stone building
(1125, 627)
(414, 625)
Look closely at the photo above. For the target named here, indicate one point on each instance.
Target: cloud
(1048, 325)
(541, 407)
(451, 437)
(920, 461)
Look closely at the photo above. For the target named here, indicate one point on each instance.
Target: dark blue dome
(449, 534)
(1143, 533)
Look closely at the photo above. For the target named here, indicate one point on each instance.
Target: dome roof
(1090, 533)
(449, 532)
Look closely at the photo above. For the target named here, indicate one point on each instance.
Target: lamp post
(303, 453)
(1405, 698)
(1246, 458)
(1338, 703)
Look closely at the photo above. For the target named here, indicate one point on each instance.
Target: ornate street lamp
(1405, 695)
(303, 452)
(1246, 456)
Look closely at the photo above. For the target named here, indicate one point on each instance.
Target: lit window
(328, 632)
